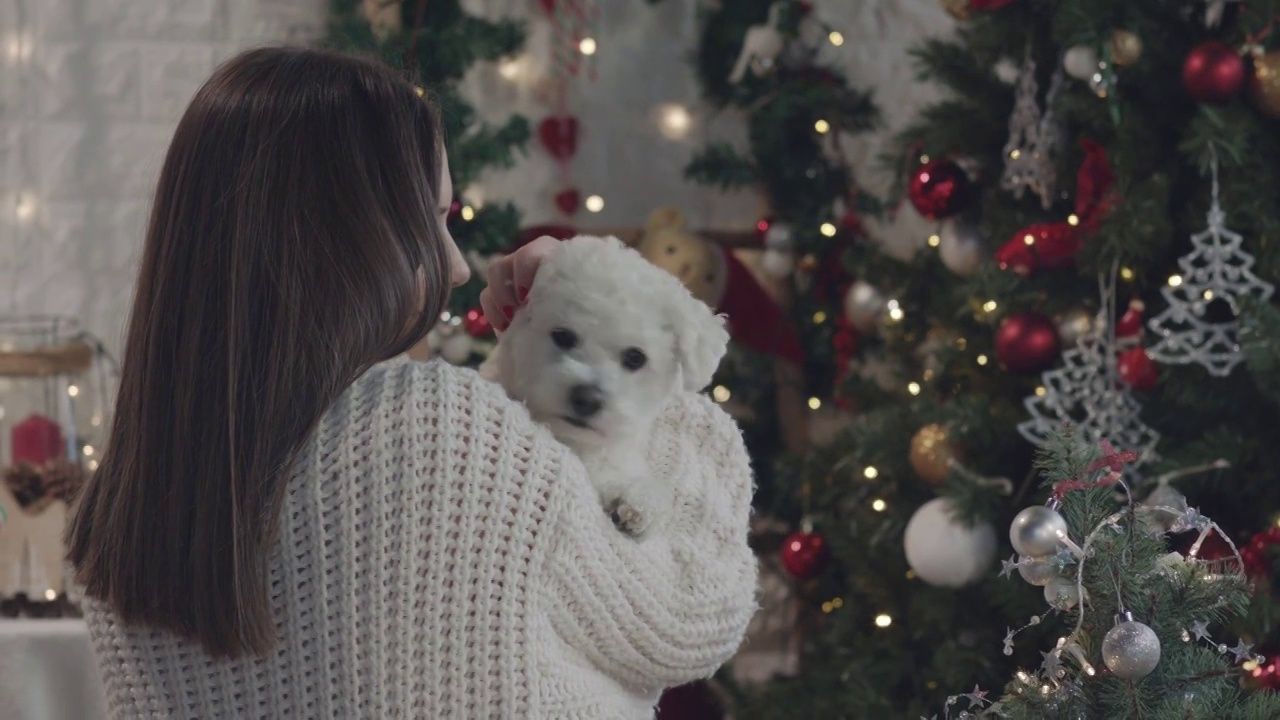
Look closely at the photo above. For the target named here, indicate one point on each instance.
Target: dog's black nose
(586, 400)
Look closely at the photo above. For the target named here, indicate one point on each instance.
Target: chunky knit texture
(441, 555)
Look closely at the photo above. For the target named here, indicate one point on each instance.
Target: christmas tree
(437, 43)
(1140, 644)
(1104, 177)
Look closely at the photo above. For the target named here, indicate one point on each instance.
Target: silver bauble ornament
(961, 247)
(1038, 571)
(1080, 62)
(1131, 650)
(863, 306)
(1073, 325)
(778, 236)
(778, 263)
(1037, 531)
(1061, 593)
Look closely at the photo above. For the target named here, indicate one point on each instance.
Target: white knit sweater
(441, 555)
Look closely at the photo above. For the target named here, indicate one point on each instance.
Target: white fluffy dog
(603, 341)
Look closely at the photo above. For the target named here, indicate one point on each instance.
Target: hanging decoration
(932, 453)
(961, 247)
(1201, 324)
(945, 552)
(574, 45)
(939, 189)
(1027, 343)
(1125, 47)
(1052, 245)
(1264, 83)
(1213, 72)
(761, 46)
(1034, 136)
(1086, 392)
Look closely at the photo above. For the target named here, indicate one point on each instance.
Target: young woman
(283, 527)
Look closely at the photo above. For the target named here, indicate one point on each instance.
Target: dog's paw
(628, 518)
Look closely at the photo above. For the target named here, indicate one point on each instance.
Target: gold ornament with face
(697, 263)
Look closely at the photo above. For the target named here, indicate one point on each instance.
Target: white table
(47, 671)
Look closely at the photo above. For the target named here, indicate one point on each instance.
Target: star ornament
(1241, 651)
(1008, 566)
(976, 698)
(1200, 629)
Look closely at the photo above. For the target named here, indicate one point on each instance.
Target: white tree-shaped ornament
(1033, 138)
(1216, 271)
(760, 47)
(1087, 392)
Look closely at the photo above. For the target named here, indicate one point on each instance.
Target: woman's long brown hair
(294, 209)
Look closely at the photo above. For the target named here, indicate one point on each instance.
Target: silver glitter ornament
(1037, 531)
(1131, 650)
(961, 248)
(1061, 593)
(863, 306)
(1034, 137)
(1080, 62)
(1217, 270)
(1037, 571)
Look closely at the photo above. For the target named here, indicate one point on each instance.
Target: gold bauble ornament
(1126, 47)
(932, 453)
(958, 9)
(1264, 86)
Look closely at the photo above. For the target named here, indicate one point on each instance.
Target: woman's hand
(510, 278)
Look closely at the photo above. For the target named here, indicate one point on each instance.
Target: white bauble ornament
(1080, 62)
(778, 263)
(863, 306)
(1006, 71)
(943, 551)
(778, 236)
(961, 248)
(457, 348)
(1131, 650)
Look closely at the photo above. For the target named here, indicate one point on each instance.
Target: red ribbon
(1054, 245)
(1111, 460)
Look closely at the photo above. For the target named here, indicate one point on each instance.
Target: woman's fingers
(501, 288)
(493, 311)
(525, 262)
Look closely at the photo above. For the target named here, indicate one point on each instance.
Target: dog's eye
(633, 359)
(564, 339)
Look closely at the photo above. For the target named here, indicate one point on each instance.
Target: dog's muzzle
(585, 400)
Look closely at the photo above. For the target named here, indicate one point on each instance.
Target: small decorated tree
(1141, 625)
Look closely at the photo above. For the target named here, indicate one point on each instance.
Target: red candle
(37, 440)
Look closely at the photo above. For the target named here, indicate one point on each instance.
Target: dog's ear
(664, 218)
(700, 340)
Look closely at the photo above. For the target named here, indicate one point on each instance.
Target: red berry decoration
(803, 554)
(476, 324)
(939, 189)
(1213, 72)
(1027, 343)
(1135, 367)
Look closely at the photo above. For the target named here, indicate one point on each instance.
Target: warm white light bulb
(587, 46)
(594, 203)
(674, 121)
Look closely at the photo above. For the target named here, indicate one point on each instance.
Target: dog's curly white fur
(604, 339)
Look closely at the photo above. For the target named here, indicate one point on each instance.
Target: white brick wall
(90, 91)
(89, 94)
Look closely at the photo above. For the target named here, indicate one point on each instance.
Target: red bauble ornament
(1257, 555)
(803, 554)
(939, 189)
(568, 200)
(1135, 367)
(559, 135)
(1130, 324)
(476, 324)
(1027, 343)
(1213, 72)
(36, 440)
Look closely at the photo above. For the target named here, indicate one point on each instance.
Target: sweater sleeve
(673, 606)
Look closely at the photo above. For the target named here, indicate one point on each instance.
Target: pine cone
(26, 482)
(63, 480)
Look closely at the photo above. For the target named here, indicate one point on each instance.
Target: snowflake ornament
(1033, 138)
(1217, 270)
